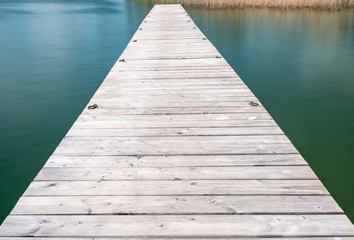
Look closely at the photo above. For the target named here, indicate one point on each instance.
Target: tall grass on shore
(279, 4)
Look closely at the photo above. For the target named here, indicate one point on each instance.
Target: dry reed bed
(279, 4)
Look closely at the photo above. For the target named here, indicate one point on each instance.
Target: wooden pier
(178, 147)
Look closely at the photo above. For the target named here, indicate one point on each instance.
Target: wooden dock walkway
(177, 150)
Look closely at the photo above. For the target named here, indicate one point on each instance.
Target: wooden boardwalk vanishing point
(175, 149)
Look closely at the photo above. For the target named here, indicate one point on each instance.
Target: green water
(54, 55)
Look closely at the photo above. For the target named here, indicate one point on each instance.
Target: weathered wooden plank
(176, 187)
(172, 145)
(153, 53)
(160, 85)
(190, 95)
(176, 56)
(94, 146)
(174, 238)
(161, 101)
(178, 48)
(175, 161)
(177, 226)
(150, 123)
(141, 88)
(170, 110)
(172, 42)
(173, 74)
(172, 36)
(106, 103)
(131, 205)
(177, 118)
(151, 132)
(180, 84)
(176, 173)
(139, 148)
(206, 140)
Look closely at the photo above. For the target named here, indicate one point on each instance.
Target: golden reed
(279, 4)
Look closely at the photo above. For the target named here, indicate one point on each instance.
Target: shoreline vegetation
(332, 5)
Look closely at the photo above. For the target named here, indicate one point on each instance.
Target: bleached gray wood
(182, 145)
(177, 226)
(176, 187)
(183, 238)
(91, 116)
(152, 132)
(175, 161)
(124, 89)
(177, 173)
(171, 205)
(180, 84)
(191, 95)
(177, 149)
(76, 147)
(147, 124)
(168, 110)
(175, 105)
(160, 104)
(247, 139)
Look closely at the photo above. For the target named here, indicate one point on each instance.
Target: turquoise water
(54, 55)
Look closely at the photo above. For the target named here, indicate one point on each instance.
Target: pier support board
(178, 147)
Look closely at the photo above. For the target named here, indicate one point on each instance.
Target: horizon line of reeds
(278, 4)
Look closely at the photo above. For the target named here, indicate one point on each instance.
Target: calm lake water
(55, 54)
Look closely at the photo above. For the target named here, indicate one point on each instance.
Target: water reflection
(53, 56)
(300, 65)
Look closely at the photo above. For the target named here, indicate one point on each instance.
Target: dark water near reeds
(55, 53)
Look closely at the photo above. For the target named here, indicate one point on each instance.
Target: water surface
(300, 64)
(55, 53)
